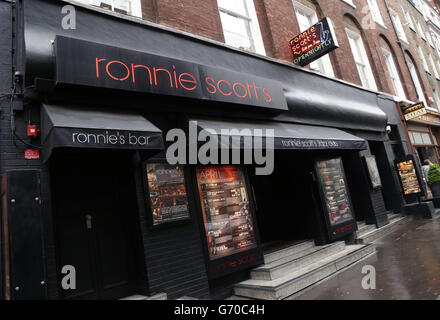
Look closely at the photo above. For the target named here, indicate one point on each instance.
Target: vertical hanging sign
(314, 42)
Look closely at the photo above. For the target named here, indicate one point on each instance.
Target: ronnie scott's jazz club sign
(314, 42)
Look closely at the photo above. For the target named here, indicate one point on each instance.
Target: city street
(407, 267)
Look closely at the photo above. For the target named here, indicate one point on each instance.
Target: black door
(93, 214)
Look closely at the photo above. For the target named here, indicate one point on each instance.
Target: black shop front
(115, 102)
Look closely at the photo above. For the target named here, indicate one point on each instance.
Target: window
(420, 31)
(350, 2)
(415, 78)
(422, 58)
(375, 12)
(398, 26)
(306, 18)
(420, 138)
(361, 60)
(240, 25)
(430, 39)
(409, 20)
(392, 70)
(434, 68)
(437, 99)
(129, 7)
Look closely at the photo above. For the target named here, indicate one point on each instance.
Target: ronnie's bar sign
(414, 111)
(314, 42)
(86, 63)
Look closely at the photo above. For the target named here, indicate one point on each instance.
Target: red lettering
(97, 66)
(214, 89)
(133, 67)
(255, 88)
(218, 86)
(121, 63)
(190, 80)
(175, 76)
(165, 70)
(245, 90)
(267, 97)
(249, 89)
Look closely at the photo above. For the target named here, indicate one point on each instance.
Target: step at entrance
(364, 229)
(300, 268)
(368, 236)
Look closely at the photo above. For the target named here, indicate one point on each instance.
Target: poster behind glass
(166, 185)
(334, 189)
(226, 210)
(408, 177)
(373, 171)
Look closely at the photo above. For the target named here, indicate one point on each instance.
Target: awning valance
(84, 127)
(286, 135)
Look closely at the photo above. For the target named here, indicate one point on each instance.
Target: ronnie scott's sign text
(314, 42)
(86, 63)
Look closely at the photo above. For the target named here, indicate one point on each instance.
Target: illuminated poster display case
(409, 178)
(228, 219)
(336, 202)
(166, 194)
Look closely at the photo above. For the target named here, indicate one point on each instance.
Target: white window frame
(365, 63)
(409, 20)
(375, 12)
(423, 59)
(394, 74)
(255, 33)
(434, 68)
(398, 25)
(136, 6)
(322, 64)
(350, 2)
(431, 37)
(420, 31)
(416, 81)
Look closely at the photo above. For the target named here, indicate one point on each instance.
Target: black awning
(81, 127)
(286, 135)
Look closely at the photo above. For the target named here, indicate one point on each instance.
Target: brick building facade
(348, 97)
(278, 23)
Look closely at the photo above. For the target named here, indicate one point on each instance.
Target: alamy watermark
(369, 280)
(222, 146)
(68, 21)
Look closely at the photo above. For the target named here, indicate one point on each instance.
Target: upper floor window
(129, 7)
(420, 30)
(413, 72)
(240, 25)
(430, 40)
(350, 2)
(433, 65)
(361, 60)
(375, 12)
(409, 20)
(307, 17)
(394, 75)
(398, 25)
(422, 58)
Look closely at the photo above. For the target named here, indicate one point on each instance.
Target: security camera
(388, 129)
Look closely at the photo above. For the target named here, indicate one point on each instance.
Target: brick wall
(278, 24)
(194, 16)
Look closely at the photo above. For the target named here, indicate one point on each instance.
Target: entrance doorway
(96, 229)
(284, 200)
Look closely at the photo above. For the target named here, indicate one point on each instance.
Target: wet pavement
(407, 265)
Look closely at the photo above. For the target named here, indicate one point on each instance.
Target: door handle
(89, 221)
